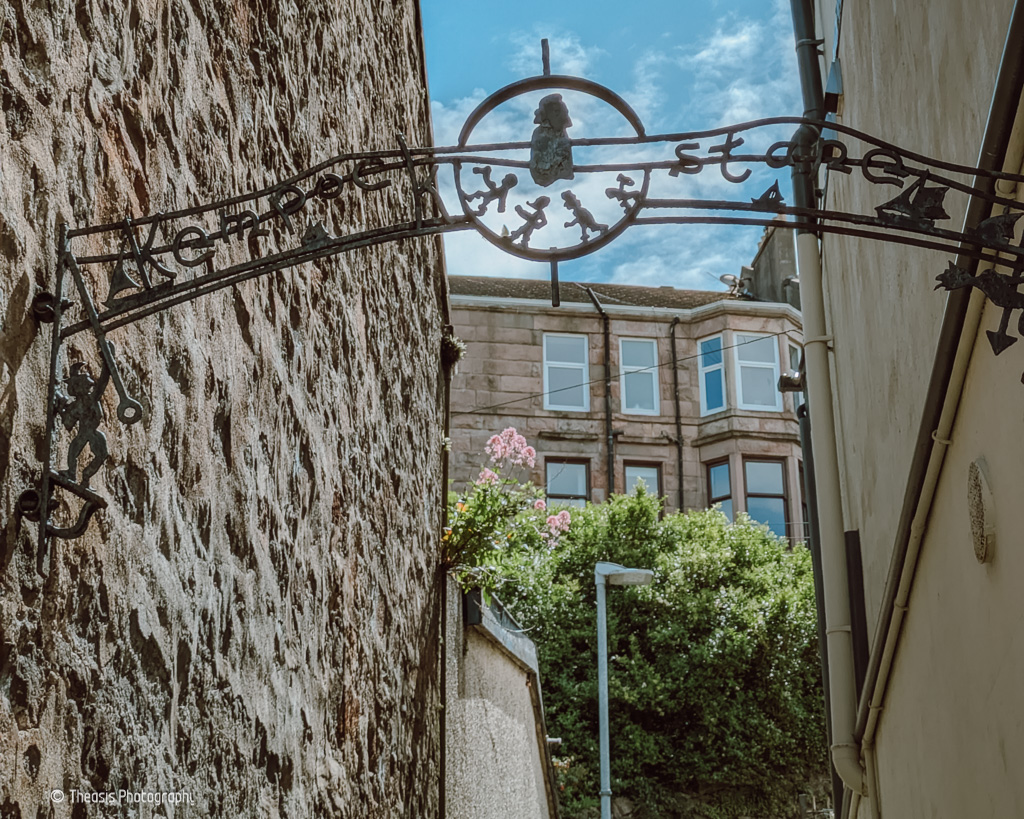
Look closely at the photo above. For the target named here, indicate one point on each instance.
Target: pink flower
(540, 505)
(560, 522)
(487, 476)
(509, 445)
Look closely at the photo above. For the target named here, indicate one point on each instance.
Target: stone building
(621, 383)
(927, 453)
(253, 619)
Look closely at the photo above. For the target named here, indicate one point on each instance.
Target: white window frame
(653, 370)
(738, 369)
(702, 370)
(550, 401)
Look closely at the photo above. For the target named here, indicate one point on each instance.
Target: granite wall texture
(254, 617)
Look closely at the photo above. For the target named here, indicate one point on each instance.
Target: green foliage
(715, 688)
(496, 512)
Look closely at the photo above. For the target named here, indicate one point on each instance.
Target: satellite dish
(729, 279)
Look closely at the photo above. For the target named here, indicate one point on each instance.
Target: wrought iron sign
(558, 193)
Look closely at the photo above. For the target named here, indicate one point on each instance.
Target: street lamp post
(616, 575)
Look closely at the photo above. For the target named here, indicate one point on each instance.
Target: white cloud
(734, 44)
(647, 96)
(469, 254)
(567, 54)
(744, 70)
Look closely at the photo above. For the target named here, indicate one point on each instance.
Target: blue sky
(681, 65)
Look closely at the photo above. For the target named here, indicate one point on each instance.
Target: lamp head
(616, 575)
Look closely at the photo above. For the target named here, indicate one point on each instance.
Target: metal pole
(602, 698)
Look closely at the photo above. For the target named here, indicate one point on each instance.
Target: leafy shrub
(716, 707)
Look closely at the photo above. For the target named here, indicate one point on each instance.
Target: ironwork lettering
(889, 162)
(143, 256)
(687, 162)
(837, 157)
(725, 149)
(238, 223)
(328, 186)
(202, 241)
(286, 208)
(369, 166)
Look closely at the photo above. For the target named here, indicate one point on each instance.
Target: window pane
(769, 510)
(726, 508)
(757, 386)
(565, 350)
(764, 477)
(565, 387)
(753, 348)
(719, 477)
(567, 479)
(640, 391)
(711, 352)
(647, 474)
(638, 354)
(714, 390)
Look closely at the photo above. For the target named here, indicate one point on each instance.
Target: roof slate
(609, 294)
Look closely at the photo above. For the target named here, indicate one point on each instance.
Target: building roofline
(689, 314)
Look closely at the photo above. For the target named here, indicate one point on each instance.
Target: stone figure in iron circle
(583, 217)
(81, 406)
(534, 221)
(550, 147)
(494, 192)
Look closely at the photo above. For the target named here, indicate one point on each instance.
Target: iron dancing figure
(534, 221)
(584, 218)
(81, 407)
(493, 192)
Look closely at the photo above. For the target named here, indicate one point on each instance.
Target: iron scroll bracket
(526, 197)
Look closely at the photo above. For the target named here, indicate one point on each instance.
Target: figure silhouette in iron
(498, 193)
(81, 406)
(534, 221)
(584, 218)
(551, 148)
(628, 199)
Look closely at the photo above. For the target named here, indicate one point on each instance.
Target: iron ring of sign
(543, 83)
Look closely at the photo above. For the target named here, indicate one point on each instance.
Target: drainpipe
(679, 418)
(838, 631)
(607, 391)
(814, 542)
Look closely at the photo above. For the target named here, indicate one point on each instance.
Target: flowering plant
(498, 511)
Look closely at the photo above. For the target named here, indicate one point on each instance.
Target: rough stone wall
(254, 617)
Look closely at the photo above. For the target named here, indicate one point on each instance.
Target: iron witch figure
(550, 147)
(82, 407)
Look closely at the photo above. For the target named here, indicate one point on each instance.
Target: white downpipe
(839, 636)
